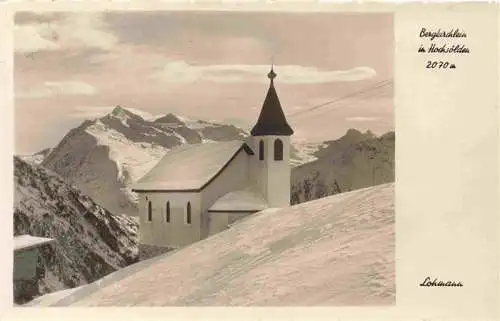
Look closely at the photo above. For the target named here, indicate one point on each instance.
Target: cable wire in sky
(336, 100)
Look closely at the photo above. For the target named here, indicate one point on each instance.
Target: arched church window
(261, 150)
(188, 213)
(150, 211)
(278, 150)
(167, 211)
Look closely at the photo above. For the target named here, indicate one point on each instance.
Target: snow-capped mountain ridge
(355, 160)
(104, 156)
(129, 165)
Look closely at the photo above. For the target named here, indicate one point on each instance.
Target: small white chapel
(197, 190)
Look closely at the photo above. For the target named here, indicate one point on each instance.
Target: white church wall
(233, 177)
(279, 173)
(272, 177)
(177, 232)
(257, 167)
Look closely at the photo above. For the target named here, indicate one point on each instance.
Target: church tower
(270, 139)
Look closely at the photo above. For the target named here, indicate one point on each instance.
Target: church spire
(271, 120)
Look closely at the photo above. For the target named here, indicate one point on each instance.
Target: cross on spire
(271, 75)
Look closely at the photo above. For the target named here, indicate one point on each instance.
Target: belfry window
(261, 150)
(188, 213)
(278, 150)
(150, 211)
(167, 211)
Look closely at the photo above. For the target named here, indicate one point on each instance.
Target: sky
(69, 67)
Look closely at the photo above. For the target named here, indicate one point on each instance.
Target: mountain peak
(169, 118)
(118, 109)
(123, 114)
(369, 133)
(353, 132)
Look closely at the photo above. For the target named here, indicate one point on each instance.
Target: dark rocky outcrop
(90, 242)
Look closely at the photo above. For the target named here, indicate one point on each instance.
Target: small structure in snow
(26, 248)
(198, 190)
(25, 272)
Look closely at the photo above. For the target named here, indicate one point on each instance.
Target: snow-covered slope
(337, 250)
(90, 242)
(104, 156)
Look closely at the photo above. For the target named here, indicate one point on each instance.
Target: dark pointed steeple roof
(271, 120)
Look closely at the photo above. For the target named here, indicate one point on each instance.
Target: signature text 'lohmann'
(428, 282)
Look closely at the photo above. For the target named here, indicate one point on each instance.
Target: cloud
(362, 119)
(182, 72)
(75, 30)
(89, 112)
(53, 88)
(29, 38)
(27, 17)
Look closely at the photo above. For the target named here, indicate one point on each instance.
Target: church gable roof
(190, 167)
(272, 120)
